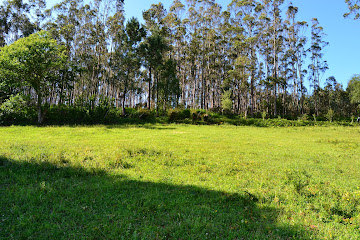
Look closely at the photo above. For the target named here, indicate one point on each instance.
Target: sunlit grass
(180, 182)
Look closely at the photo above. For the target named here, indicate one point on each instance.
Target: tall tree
(354, 89)
(15, 21)
(177, 33)
(154, 48)
(318, 66)
(130, 59)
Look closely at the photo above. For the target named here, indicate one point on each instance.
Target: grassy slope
(179, 182)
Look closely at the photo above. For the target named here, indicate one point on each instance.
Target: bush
(178, 114)
(202, 116)
(303, 117)
(66, 115)
(263, 115)
(17, 110)
(330, 115)
(63, 114)
(226, 101)
(143, 114)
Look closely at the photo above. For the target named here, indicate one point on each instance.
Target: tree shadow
(56, 201)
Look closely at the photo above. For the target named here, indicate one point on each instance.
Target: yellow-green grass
(179, 182)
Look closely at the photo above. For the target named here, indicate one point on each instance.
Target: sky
(343, 53)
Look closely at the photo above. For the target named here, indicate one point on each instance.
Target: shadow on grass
(47, 201)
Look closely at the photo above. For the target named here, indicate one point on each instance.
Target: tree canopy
(33, 61)
(354, 89)
(254, 57)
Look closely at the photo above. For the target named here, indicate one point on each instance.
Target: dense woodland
(254, 58)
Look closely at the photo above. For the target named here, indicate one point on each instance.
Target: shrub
(143, 114)
(304, 117)
(62, 114)
(198, 115)
(263, 115)
(17, 110)
(226, 101)
(178, 114)
(314, 117)
(330, 115)
(66, 115)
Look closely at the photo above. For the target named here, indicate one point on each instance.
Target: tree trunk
(149, 97)
(39, 109)
(123, 102)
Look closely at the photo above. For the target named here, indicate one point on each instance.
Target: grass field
(179, 182)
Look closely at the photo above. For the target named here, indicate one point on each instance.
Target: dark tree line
(250, 59)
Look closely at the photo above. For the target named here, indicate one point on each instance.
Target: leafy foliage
(354, 89)
(17, 110)
(33, 61)
(248, 59)
(354, 9)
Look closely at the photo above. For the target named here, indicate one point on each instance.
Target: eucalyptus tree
(15, 21)
(239, 74)
(301, 55)
(318, 66)
(203, 19)
(248, 14)
(37, 12)
(210, 52)
(354, 9)
(99, 39)
(94, 54)
(63, 23)
(177, 37)
(84, 29)
(266, 53)
(290, 57)
(276, 43)
(193, 23)
(4, 24)
(294, 56)
(116, 31)
(222, 65)
(354, 89)
(169, 85)
(335, 98)
(154, 48)
(131, 58)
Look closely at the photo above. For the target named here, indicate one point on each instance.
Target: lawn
(179, 182)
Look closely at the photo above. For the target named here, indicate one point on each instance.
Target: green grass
(179, 182)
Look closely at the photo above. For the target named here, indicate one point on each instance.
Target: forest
(84, 59)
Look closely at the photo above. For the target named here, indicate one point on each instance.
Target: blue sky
(343, 53)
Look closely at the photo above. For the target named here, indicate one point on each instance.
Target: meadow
(177, 181)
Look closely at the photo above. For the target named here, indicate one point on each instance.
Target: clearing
(179, 182)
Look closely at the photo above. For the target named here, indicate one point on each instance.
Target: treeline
(249, 59)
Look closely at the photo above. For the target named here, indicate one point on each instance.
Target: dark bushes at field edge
(19, 111)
